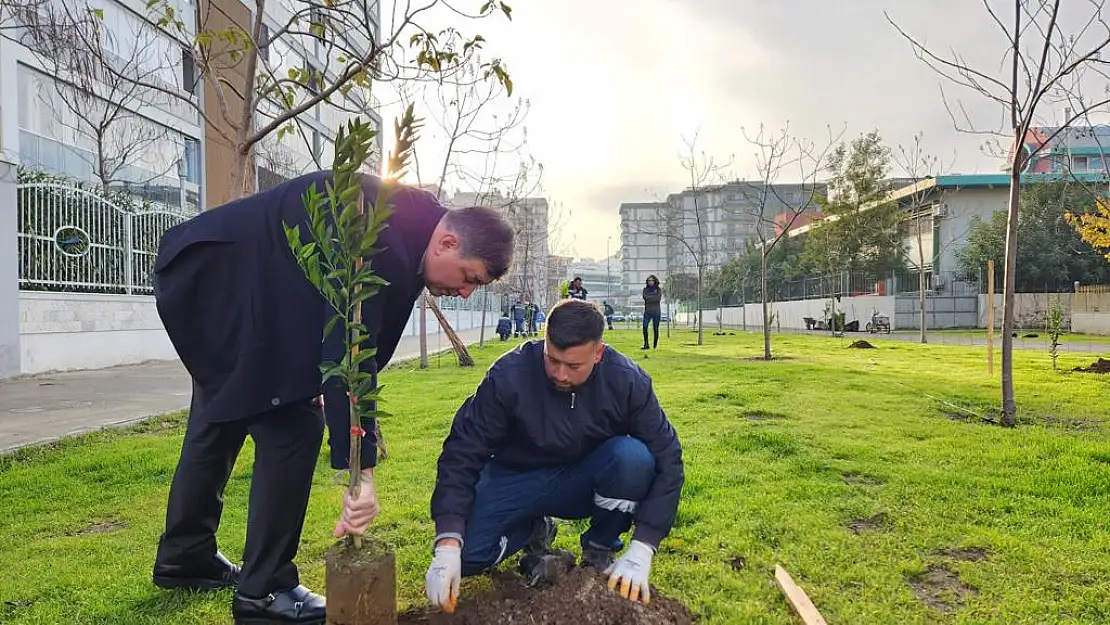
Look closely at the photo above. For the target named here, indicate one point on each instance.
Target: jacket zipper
(572, 396)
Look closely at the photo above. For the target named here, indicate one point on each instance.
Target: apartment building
(711, 224)
(154, 143)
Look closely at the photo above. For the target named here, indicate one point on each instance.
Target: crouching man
(563, 427)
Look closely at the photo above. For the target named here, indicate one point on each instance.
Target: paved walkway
(41, 408)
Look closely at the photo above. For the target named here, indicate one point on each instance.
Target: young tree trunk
(485, 305)
(423, 325)
(1009, 408)
(701, 314)
(921, 292)
(465, 360)
(766, 317)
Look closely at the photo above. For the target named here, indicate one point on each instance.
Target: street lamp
(608, 293)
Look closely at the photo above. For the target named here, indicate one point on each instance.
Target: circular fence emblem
(72, 241)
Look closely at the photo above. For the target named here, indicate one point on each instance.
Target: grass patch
(836, 463)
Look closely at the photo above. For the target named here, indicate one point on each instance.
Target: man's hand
(444, 575)
(632, 570)
(360, 511)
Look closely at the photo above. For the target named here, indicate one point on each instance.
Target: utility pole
(608, 292)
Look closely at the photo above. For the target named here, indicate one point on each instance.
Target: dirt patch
(861, 344)
(580, 597)
(737, 563)
(1101, 365)
(104, 527)
(762, 415)
(852, 477)
(940, 588)
(867, 524)
(966, 554)
(955, 415)
(1030, 335)
(762, 359)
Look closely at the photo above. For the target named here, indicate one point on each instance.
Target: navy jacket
(248, 325)
(517, 418)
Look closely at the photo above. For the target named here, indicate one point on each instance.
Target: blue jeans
(653, 318)
(603, 486)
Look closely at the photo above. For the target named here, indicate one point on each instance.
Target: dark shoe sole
(190, 583)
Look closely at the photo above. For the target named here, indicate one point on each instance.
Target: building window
(191, 160)
(188, 71)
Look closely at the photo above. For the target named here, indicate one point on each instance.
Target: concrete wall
(62, 331)
(9, 275)
(65, 331)
(1091, 323)
(940, 312)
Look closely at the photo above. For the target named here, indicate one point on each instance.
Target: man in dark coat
(563, 427)
(248, 326)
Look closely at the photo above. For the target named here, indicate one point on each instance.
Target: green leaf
(507, 10)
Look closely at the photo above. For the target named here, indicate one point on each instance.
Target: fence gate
(71, 239)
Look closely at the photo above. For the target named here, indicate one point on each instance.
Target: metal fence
(72, 239)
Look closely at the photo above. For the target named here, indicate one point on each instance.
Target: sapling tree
(337, 259)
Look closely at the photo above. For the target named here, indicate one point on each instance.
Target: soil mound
(1101, 365)
(580, 597)
(861, 344)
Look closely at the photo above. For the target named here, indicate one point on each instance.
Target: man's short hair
(484, 234)
(574, 322)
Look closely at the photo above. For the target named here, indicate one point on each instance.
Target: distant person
(577, 291)
(530, 310)
(504, 327)
(518, 318)
(563, 427)
(541, 319)
(653, 298)
(609, 312)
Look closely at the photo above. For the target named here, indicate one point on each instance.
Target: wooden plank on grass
(798, 599)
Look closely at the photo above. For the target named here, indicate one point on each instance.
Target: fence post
(129, 255)
(10, 353)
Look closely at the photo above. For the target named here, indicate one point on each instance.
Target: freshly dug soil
(580, 597)
(861, 344)
(1101, 365)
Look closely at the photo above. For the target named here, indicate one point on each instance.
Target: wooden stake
(990, 317)
(798, 599)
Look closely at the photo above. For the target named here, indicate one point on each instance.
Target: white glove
(632, 570)
(444, 576)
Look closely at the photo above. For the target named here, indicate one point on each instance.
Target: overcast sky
(615, 85)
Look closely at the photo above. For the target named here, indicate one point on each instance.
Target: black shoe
(545, 568)
(299, 605)
(645, 347)
(596, 557)
(543, 536)
(212, 575)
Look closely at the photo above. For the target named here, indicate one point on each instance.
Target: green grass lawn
(840, 464)
(1075, 339)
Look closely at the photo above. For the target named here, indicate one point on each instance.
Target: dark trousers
(609, 320)
(604, 487)
(652, 317)
(287, 443)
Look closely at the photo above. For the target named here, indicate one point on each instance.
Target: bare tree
(684, 218)
(104, 115)
(463, 120)
(773, 214)
(1041, 56)
(255, 92)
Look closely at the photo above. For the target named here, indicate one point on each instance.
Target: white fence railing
(71, 239)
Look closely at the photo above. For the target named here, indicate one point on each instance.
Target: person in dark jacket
(518, 318)
(504, 328)
(609, 312)
(653, 296)
(564, 427)
(577, 291)
(248, 326)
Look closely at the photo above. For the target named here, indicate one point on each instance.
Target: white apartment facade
(158, 146)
